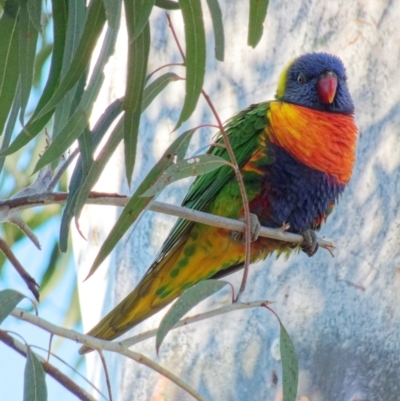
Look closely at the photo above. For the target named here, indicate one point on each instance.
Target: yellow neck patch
(282, 81)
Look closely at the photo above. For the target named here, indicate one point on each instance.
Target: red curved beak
(326, 87)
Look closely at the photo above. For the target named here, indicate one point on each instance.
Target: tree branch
(52, 371)
(196, 318)
(96, 343)
(98, 198)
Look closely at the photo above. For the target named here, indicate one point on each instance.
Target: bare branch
(29, 280)
(96, 343)
(97, 198)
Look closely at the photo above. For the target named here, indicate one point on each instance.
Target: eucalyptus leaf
(290, 366)
(258, 12)
(181, 169)
(195, 55)
(190, 298)
(137, 204)
(34, 379)
(9, 299)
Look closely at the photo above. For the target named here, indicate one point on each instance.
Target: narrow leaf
(195, 55)
(9, 66)
(99, 130)
(218, 26)
(35, 13)
(64, 140)
(194, 166)
(98, 166)
(79, 120)
(94, 24)
(32, 128)
(28, 36)
(137, 204)
(157, 86)
(290, 366)
(75, 28)
(9, 299)
(258, 12)
(113, 12)
(34, 379)
(143, 18)
(167, 4)
(190, 298)
(86, 150)
(12, 118)
(138, 53)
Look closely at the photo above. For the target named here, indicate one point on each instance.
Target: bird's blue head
(318, 81)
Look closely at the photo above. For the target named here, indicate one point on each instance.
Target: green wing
(243, 130)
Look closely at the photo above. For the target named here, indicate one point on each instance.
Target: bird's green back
(243, 131)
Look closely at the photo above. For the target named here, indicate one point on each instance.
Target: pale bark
(342, 313)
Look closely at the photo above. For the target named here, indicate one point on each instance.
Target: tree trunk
(342, 313)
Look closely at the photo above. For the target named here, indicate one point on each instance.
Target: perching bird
(296, 156)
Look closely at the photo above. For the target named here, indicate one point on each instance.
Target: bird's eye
(301, 79)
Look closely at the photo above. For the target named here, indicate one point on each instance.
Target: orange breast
(321, 140)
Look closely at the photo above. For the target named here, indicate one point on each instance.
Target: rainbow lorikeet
(296, 156)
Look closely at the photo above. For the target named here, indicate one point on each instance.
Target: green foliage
(9, 299)
(190, 298)
(60, 99)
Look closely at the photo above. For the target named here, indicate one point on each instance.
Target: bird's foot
(255, 227)
(284, 227)
(309, 244)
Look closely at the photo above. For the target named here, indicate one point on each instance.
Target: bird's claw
(309, 245)
(255, 227)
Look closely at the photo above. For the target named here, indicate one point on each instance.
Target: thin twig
(108, 383)
(242, 192)
(236, 169)
(96, 343)
(101, 198)
(193, 319)
(29, 280)
(56, 374)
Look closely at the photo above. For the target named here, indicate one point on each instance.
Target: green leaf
(32, 128)
(94, 25)
(9, 66)
(258, 12)
(35, 13)
(218, 26)
(9, 299)
(167, 4)
(190, 298)
(86, 150)
(76, 182)
(77, 123)
(75, 27)
(138, 53)
(290, 366)
(79, 120)
(97, 167)
(157, 86)
(113, 12)
(194, 166)
(28, 36)
(12, 118)
(34, 379)
(195, 55)
(137, 204)
(143, 18)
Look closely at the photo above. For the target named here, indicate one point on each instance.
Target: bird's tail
(140, 304)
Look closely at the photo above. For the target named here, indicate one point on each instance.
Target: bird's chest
(293, 193)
